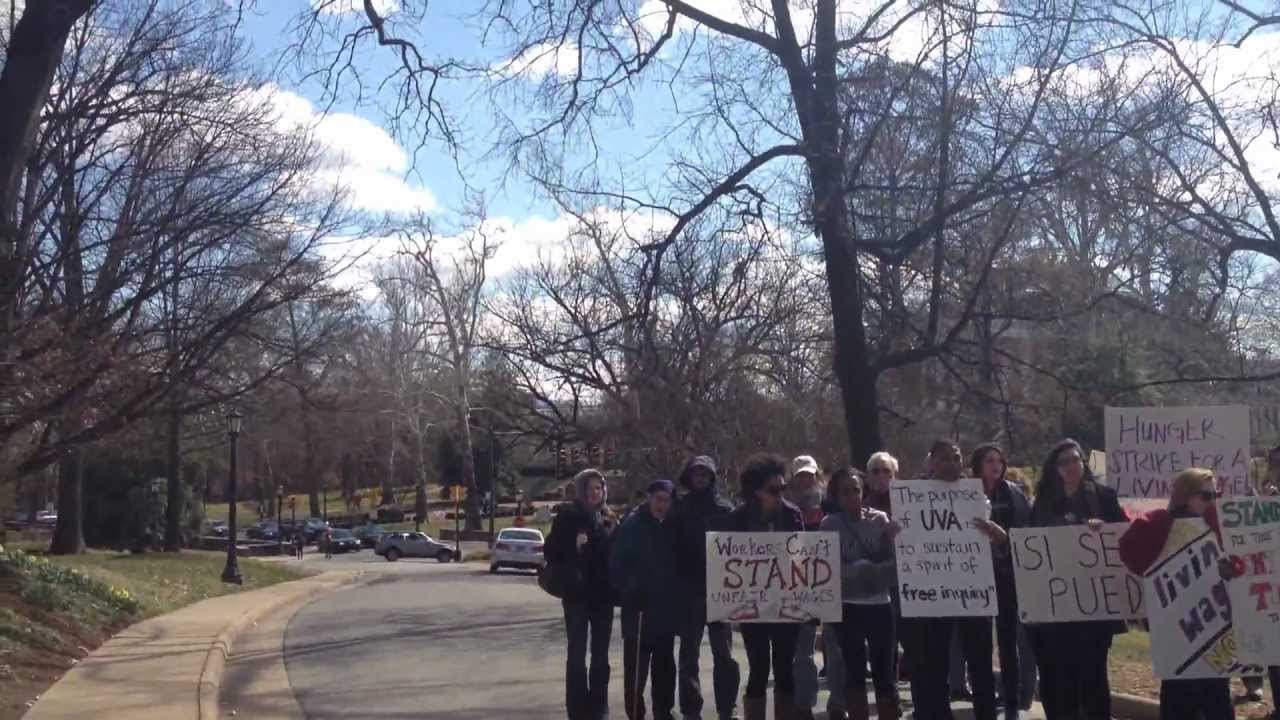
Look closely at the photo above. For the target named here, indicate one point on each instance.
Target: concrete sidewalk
(170, 667)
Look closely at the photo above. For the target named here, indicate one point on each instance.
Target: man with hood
(699, 510)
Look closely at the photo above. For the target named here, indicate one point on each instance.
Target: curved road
(445, 642)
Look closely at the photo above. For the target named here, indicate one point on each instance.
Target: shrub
(49, 586)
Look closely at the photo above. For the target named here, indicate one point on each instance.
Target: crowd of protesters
(652, 564)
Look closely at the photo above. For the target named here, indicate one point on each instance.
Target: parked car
(343, 541)
(265, 530)
(217, 528)
(517, 548)
(47, 517)
(312, 528)
(396, 545)
(368, 535)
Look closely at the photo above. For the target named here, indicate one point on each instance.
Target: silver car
(517, 548)
(396, 545)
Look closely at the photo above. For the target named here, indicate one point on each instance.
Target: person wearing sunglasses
(1072, 656)
(768, 645)
(1192, 495)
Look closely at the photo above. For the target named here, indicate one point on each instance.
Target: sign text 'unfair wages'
(772, 577)
(1072, 573)
(1147, 447)
(1189, 609)
(944, 561)
(1250, 529)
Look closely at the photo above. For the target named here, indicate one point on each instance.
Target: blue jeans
(586, 692)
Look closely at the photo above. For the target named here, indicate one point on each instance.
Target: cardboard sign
(771, 577)
(944, 561)
(1072, 573)
(1189, 608)
(1147, 447)
(1249, 524)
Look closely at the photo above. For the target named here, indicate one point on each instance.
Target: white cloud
(541, 60)
(359, 156)
(343, 7)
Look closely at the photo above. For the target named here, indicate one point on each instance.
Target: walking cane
(636, 691)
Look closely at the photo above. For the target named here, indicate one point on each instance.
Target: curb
(1133, 707)
(220, 649)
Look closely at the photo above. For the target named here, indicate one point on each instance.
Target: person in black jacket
(702, 509)
(1009, 509)
(579, 544)
(642, 568)
(1072, 656)
(768, 645)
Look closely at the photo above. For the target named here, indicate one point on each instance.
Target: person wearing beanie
(579, 543)
(770, 646)
(1192, 495)
(642, 566)
(701, 509)
(806, 490)
(1072, 656)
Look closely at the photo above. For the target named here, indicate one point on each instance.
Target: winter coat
(1143, 542)
(690, 519)
(748, 518)
(643, 571)
(1009, 509)
(592, 562)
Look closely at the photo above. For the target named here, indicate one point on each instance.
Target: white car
(517, 548)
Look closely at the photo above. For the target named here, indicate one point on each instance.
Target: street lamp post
(280, 518)
(231, 573)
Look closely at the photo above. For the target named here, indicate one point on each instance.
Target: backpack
(560, 579)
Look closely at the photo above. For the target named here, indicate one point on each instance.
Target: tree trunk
(468, 461)
(174, 506)
(388, 483)
(818, 106)
(309, 461)
(420, 489)
(68, 533)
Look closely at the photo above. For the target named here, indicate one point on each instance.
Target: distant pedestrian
(770, 646)
(327, 541)
(578, 546)
(642, 568)
(299, 543)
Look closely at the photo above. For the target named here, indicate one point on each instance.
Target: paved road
(447, 642)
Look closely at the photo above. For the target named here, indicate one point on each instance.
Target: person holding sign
(1073, 655)
(1192, 495)
(762, 482)
(578, 549)
(928, 638)
(866, 629)
(1009, 509)
(642, 567)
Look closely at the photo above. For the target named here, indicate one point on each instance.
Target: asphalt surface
(443, 641)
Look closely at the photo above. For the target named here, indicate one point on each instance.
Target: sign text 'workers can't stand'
(773, 577)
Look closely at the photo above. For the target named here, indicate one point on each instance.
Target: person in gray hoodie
(701, 509)
(866, 629)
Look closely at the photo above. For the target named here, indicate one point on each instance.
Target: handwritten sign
(1250, 524)
(1072, 573)
(1147, 447)
(944, 561)
(1189, 608)
(1264, 424)
(770, 577)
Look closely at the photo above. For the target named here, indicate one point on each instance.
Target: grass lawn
(54, 610)
(164, 582)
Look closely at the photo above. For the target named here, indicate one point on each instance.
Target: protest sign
(1250, 529)
(1189, 608)
(1249, 524)
(944, 561)
(1071, 573)
(1147, 447)
(771, 577)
